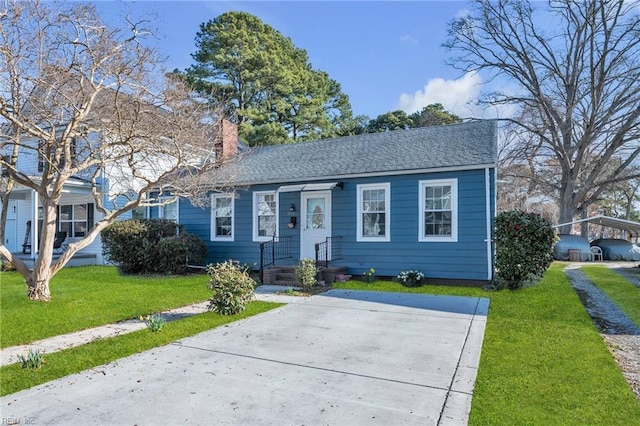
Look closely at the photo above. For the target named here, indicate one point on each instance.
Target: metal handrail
(274, 249)
(328, 251)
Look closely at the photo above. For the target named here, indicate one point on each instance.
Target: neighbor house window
(72, 152)
(222, 217)
(438, 210)
(168, 211)
(75, 219)
(139, 213)
(265, 219)
(374, 212)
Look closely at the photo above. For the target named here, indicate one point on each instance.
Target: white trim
(487, 182)
(213, 236)
(35, 235)
(386, 186)
(374, 174)
(453, 183)
(254, 215)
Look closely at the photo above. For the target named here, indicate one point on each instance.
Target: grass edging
(14, 378)
(617, 288)
(543, 362)
(90, 296)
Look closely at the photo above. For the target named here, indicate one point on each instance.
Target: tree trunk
(38, 279)
(567, 209)
(584, 226)
(38, 286)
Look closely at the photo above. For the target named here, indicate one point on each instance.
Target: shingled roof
(465, 145)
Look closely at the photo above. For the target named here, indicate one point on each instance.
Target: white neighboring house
(76, 212)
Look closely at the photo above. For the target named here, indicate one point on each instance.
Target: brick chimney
(226, 144)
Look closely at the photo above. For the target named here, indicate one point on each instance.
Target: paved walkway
(66, 341)
(341, 357)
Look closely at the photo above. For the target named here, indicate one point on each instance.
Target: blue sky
(386, 55)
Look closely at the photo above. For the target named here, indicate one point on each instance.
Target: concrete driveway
(340, 358)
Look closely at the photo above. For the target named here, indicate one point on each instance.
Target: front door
(316, 221)
(11, 229)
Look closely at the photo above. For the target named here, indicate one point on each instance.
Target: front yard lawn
(90, 296)
(13, 378)
(543, 361)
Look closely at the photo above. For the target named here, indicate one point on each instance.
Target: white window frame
(254, 215)
(213, 236)
(423, 184)
(161, 208)
(360, 237)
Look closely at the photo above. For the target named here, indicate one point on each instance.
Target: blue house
(410, 199)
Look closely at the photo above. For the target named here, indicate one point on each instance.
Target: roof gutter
(373, 174)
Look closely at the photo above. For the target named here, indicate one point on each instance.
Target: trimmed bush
(524, 246)
(232, 288)
(306, 273)
(151, 246)
(175, 252)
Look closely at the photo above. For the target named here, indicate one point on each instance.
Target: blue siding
(464, 259)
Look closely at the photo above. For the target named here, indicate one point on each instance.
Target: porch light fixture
(293, 220)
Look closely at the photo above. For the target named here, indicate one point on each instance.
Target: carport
(633, 228)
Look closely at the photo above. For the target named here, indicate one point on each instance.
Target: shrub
(306, 273)
(410, 278)
(524, 245)
(151, 246)
(231, 286)
(175, 252)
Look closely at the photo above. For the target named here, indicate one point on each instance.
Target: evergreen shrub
(151, 246)
(524, 246)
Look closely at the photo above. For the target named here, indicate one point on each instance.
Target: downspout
(489, 239)
(35, 237)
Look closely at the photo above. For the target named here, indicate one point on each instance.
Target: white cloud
(462, 13)
(454, 95)
(458, 96)
(409, 39)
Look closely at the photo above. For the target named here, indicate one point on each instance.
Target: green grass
(87, 297)
(13, 378)
(542, 362)
(622, 292)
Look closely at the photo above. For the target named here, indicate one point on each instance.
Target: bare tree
(573, 68)
(91, 102)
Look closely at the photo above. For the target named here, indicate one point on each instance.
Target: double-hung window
(222, 207)
(169, 210)
(438, 219)
(265, 217)
(374, 212)
(75, 219)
